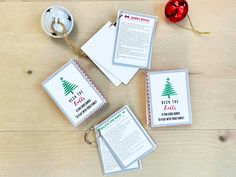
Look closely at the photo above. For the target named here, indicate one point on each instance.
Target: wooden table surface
(36, 140)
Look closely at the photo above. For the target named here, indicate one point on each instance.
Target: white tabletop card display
(134, 39)
(125, 137)
(100, 49)
(74, 93)
(168, 98)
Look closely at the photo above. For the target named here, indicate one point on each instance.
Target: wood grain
(63, 153)
(37, 140)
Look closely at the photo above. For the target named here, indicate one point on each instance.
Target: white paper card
(134, 39)
(100, 50)
(112, 78)
(125, 137)
(109, 163)
(74, 93)
(168, 98)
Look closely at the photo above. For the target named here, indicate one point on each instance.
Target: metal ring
(86, 136)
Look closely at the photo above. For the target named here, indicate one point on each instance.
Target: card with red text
(168, 98)
(74, 93)
(134, 39)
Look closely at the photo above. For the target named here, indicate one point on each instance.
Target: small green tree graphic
(68, 87)
(168, 90)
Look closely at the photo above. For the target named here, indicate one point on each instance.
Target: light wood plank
(180, 153)
(24, 46)
(37, 140)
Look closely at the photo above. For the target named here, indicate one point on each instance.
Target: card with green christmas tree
(74, 93)
(168, 98)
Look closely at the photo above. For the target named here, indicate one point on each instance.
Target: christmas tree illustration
(68, 87)
(168, 90)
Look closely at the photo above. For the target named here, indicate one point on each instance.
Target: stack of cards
(74, 93)
(119, 51)
(122, 142)
(168, 98)
(100, 50)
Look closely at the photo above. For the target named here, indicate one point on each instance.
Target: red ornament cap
(176, 10)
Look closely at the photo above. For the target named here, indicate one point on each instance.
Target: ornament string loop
(176, 11)
(65, 36)
(86, 134)
(192, 28)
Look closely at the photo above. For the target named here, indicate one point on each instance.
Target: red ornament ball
(176, 10)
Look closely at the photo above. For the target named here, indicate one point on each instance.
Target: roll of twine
(66, 38)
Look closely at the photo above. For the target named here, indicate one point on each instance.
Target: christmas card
(74, 93)
(125, 138)
(134, 39)
(168, 98)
